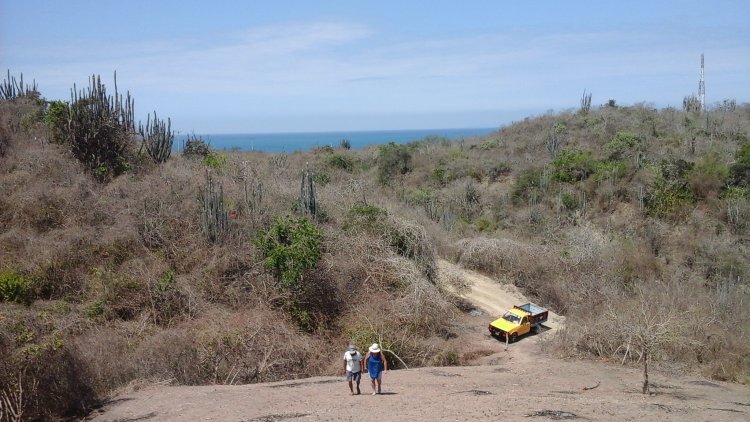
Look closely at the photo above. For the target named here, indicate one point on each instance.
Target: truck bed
(537, 314)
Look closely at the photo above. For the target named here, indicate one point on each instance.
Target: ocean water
(304, 141)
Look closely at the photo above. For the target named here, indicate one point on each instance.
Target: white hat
(352, 348)
(374, 348)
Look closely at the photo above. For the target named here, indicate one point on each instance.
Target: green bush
(621, 143)
(710, 165)
(484, 224)
(393, 159)
(668, 199)
(341, 162)
(743, 154)
(363, 216)
(439, 175)
(613, 169)
(739, 175)
(490, 144)
(675, 170)
(569, 201)
(735, 192)
(707, 176)
(418, 196)
(325, 149)
(290, 247)
(572, 165)
(166, 282)
(95, 309)
(528, 181)
(215, 160)
(321, 177)
(56, 119)
(495, 171)
(15, 288)
(196, 147)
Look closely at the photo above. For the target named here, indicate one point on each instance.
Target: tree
(290, 247)
(392, 159)
(647, 330)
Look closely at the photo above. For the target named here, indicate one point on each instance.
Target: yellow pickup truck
(518, 321)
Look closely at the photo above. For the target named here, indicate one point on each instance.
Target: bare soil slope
(520, 381)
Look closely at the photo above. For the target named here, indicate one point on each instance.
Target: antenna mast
(702, 88)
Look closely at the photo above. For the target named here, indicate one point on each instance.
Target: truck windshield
(511, 318)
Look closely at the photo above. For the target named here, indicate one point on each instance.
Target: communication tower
(702, 88)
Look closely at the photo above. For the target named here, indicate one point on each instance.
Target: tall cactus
(158, 138)
(253, 189)
(585, 103)
(214, 217)
(307, 199)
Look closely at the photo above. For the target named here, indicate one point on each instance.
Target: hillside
(209, 267)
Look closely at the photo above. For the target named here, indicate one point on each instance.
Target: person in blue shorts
(376, 365)
(353, 367)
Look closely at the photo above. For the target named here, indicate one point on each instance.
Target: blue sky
(285, 66)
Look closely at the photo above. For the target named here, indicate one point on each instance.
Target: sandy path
(505, 391)
(494, 297)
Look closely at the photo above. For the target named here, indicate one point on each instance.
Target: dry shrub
(493, 256)
(406, 312)
(231, 274)
(256, 345)
(46, 212)
(381, 323)
(704, 185)
(535, 269)
(4, 141)
(38, 368)
(322, 298)
(421, 305)
(63, 274)
(411, 241)
(691, 333)
(252, 346)
(633, 262)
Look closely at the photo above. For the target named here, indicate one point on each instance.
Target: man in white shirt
(353, 366)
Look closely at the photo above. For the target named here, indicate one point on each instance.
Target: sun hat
(352, 348)
(374, 348)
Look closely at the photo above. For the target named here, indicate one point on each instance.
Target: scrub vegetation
(122, 263)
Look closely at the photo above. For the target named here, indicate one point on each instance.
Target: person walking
(376, 365)
(353, 367)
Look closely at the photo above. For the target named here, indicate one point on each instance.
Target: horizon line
(298, 132)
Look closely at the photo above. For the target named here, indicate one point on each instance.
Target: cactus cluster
(11, 88)
(157, 138)
(101, 128)
(585, 103)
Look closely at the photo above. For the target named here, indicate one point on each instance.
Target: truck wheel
(513, 337)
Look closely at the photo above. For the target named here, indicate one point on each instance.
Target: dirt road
(521, 381)
(490, 295)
